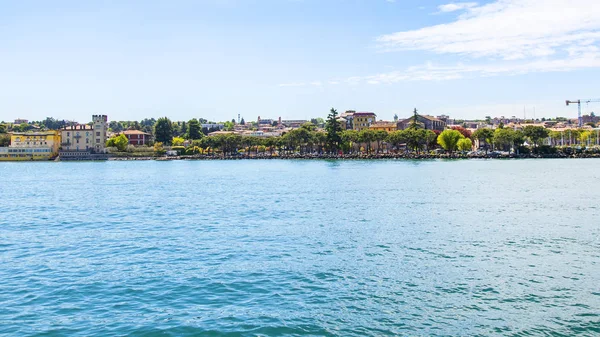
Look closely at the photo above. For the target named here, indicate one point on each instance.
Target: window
(68, 134)
(87, 140)
(97, 141)
(97, 134)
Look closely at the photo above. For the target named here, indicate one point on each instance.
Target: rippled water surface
(300, 248)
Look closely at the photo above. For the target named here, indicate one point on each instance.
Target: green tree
(465, 144)
(430, 139)
(518, 139)
(367, 136)
(309, 126)
(485, 137)
(120, 142)
(380, 137)
(242, 122)
(535, 133)
(2, 128)
(24, 127)
(415, 138)
(228, 126)
(503, 138)
(349, 140)
(271, 143)
(176, 129)
(115, 126)
(4, 140)
(396, 138)
(194, 129)
(334, 129)
(163, 131)
(183, 129)
(320, 139)
(584, 137)
(448, 139)
(414, 120)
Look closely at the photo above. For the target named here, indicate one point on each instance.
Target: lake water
(300, 248)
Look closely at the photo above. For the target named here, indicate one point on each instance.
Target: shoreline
(381, 156)
(387, 156)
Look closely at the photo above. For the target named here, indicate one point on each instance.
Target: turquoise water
(300, 248)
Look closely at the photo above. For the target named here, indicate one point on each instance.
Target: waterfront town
(351, 134)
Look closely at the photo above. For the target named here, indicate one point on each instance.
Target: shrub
(180, 149)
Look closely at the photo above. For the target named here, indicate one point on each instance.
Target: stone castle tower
(100, 128)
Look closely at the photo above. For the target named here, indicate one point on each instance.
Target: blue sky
(296, 58)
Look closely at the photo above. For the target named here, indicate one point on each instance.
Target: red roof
(134, 132)
(364, 114)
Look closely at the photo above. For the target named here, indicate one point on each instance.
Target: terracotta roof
(431, 118)
(364, 114)
(134, 132)
(384, 125)
(215, 133)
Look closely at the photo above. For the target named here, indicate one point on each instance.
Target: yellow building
(363, 120)
(384, 126)
(37, 145)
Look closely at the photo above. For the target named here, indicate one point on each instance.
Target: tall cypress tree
(334, 130)
(414, 124)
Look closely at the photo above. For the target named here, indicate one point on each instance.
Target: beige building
(83, 137)
(384, 126)
(425, 121)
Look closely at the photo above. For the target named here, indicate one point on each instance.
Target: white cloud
(586, 58)
(506, 29)
(452, 7)
(506, 37)
(431, 72)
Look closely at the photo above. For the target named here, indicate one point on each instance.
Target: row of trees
(506, 139)
(307, 139)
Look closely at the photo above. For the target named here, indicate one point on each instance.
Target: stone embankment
(362, 156)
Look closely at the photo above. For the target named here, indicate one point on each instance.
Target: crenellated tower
(100, 129)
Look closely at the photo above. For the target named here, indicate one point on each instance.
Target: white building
(213, 126)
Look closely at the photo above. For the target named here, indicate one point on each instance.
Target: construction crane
(579, 101)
